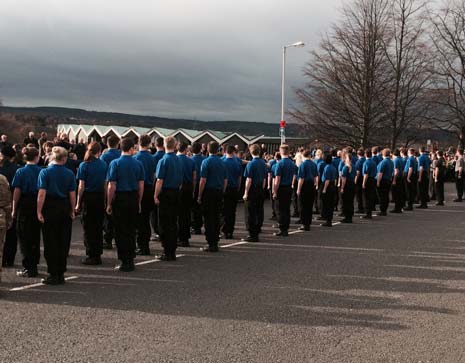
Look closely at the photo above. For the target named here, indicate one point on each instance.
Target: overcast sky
(203, 59)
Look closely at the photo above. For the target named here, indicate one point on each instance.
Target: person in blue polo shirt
(397, 184)
(385, 172)
(91, 200)
(359, 180)
(306, 189)
(197, 218)
(348, 175)
(213, 183)
(125, 190)
(320, 165)
(144, 230)
(255, 180)
(424, 163)
(286, 172)
(369, 184)
(167, 193)
(411, 178)
(159, 145)
(189, 180)
(271, 175)
(25, 211)
(56, 201)
(328, 194)
(234, 171)
(110, 154)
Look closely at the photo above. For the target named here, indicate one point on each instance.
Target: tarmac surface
(387, 290)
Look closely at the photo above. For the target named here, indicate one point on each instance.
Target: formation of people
(162, 189)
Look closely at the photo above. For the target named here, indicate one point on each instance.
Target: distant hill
(51, 116)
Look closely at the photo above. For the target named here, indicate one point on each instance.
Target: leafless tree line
(388, 70)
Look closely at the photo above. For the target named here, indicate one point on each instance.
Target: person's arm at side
(202, 183)
(277, 182)
(248, 184)
(365, 178)
(325, 187)
(16, 197)
(300, 183)
(40, 204)
(357, 176)
(225, 184)
(72, 202)
(420, 174)
(158, 188)
(110, 196)
(140, 191)
(409, 175)
(380, 177)
(80, 194)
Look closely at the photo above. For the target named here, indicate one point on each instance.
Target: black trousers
(295, 199)
(398, 194)
(168, 212)
(11, 245)
(273, 203)
(284, 207)
(423, 187)
(144, 230)
(184, 218)
(197, 214)
(125, 216)
(348, 200)
(383, 192)
(93, 212)
(56, 233)
(108, 228)
(410, 190)
(328, 202)
(307, 199)
(231, 196)
(459, 186)
(254, 210)
(359, 192)
(28, 229)
(369, 196)
(212, 204)
(439, 188)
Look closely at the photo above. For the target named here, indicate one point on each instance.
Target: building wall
(205, 139)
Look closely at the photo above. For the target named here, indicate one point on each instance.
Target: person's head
(361, 153)
(59, 155)
(30, 155)
(230, 150)
(396, 153)
(254, 150)
(368, 153)
(170, 144)
(196, 148)
(93, 151)
(182, 147)
(144, 141)
(334, 153)
(422, 149)
(374, 150)
(8, 152)
(31, 134)
(113, 142)
(307, 154)
(43, 135)
(4, 138)
(318, 154)
(213, 147)
(127, 145)
(284, 150)
(386, 153)
(159, 142)
(277, 156)
(411, 151)
(328, 158)
(440, 154)
(48, 146)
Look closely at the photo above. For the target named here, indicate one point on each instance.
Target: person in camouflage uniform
(5, 212)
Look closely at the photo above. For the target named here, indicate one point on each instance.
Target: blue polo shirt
(369, 168)
(188, 168)
(411, 163)
(271, 163)
(387, 168)
(93, 173)
(399, 165)
(348, 174)
(340, 166)
(286, 169)
(320, 165)
(127, 172)
(329, 173)
(148, 162)
(273, 169)
(424, 161)
(377, 159)
(256, 170)
(110, 155)
(359, 164)
(57, 180)
(198, 159)
(336, 161)
(25, 179)
(158, 156)
(234, 170)
(214, 171)
(169, 168)
(307, 171)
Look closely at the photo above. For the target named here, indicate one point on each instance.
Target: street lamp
(282, 125)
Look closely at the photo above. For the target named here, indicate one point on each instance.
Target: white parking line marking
(295, 232)
(39, 284)
(149, 261)
(234, 244)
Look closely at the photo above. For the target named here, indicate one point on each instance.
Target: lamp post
(282, 124)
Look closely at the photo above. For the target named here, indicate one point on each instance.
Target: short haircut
(411, 151)
(113, 141)
(284, 149)
(230, 149)
(328, 158)
(396, 152)
(213, 147)
(440, 153)
(307, 153)
(368, 153)
(361, 152)
(254, 149)
(59, 153)
(423, 149)
(386, 152)
(196, 147)
(145, 141)
(159, 141)
(170, 142)
(374, 150)
(277, 156)
(182, 146)
(334, 153)
(30, 153)
(127, 144)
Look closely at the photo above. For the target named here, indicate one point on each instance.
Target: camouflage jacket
(5, 203)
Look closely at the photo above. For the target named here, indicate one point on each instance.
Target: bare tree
(449, 44)
(343, 101)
